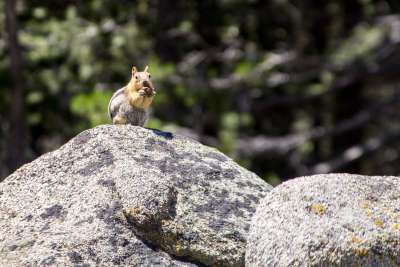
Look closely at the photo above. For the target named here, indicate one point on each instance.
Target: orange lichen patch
(359, 248)
(132, 212)
(368, 212)
(396, 226)
(356, 240)
(178, 249)
(364, 205)
(362, 252)
(379, 223)
(318, 209)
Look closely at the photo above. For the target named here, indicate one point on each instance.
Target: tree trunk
(17, 135)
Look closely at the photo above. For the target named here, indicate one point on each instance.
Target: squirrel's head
(141, 82)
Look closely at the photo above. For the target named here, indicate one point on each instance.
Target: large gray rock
(128, 196)
(328, 220)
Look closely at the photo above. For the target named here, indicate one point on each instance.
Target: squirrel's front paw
(142, 92)
(147, 92)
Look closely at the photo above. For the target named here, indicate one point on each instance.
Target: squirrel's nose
(147, 84)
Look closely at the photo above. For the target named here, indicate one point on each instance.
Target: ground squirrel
(129, 105)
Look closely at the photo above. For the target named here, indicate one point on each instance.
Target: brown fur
(130, 104)
(136, 88)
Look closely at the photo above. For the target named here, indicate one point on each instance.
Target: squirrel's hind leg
(119, 120)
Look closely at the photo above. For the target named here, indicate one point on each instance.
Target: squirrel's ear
(145, 69)
(134, 70)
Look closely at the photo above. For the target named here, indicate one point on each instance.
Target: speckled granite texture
(328, 220)
(120, 195)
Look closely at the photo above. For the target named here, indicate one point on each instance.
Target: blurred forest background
(285, 87)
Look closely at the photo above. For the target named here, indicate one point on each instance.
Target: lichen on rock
(328, 220)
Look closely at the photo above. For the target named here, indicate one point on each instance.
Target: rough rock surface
(328, 220)
(128, 196)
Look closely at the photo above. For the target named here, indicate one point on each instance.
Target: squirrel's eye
(149, 76)
(137, 77)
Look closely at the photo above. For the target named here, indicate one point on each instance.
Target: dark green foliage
(287, 88)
